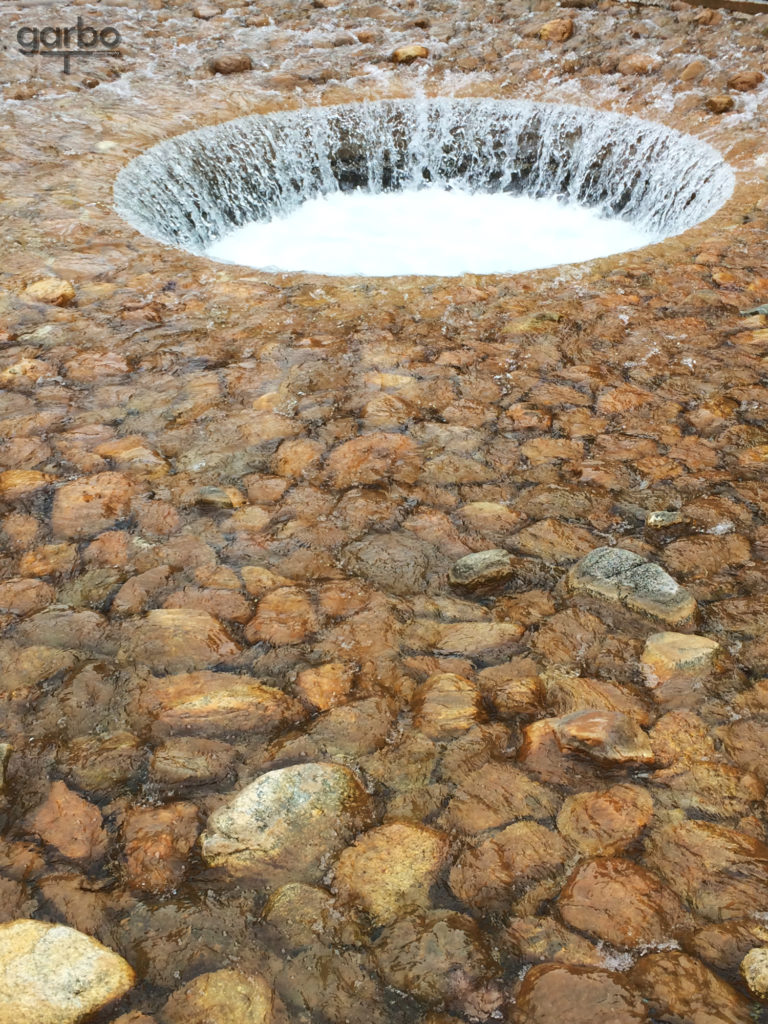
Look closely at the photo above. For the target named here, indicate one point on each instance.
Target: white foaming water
(427, 231)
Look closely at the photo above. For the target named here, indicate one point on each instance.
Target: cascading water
(559, 183)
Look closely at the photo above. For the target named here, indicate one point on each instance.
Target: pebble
(177, 640)
(408, 54)
(606, 736)
(619, 575)
(53, 290)
(606, 822)
(50, 974)
(70, 824)
(676, 985)
(618, 902)
(231, 63)
(571, 994)
(442, 959)
(225, 995)
(559, 30)
(754, 970)
(285, 825)
(446, 705)
(482, 568)
(367, 875)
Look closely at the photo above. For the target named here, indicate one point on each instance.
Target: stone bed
(380, 650)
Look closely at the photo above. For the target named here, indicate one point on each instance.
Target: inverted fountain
(437, 186)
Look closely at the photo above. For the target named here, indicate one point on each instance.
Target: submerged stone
(390, 869)
(570, 994)
(285, 826)
(625, 577)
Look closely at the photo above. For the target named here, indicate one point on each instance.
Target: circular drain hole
(423, 187)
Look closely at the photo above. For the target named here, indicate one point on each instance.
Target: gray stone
(285, 826)
(627, 578)
(482, 568)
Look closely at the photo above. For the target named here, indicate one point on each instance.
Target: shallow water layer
(236, 508)
(430, 231)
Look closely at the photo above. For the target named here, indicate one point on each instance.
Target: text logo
(80, 41)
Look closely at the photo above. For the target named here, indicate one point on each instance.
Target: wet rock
(48, 559)
(619, 575)
(536, 940)
(496, 795)
(133, 595)
(305, 915)
(745, 81)
(157, 842)
(206, 11)
(216, 704)
(720, 104)
(389, 870)
(374, 458)
(724, 946)
(50, 974)
(667, 653)
(59, 627)
(284, 826)
(557, 31)
(754, 970)
(408, 54)
(85, 507)
(231, 63)
(18, 483)
(337, 984)
(606, 736)
(25, 668)
(103, 762)
(718, 871)
(446, 705)
(441, 958)
(636, 64)
(24, 597)
(577, 995)
(709, 787)
(177, 640)
(512, 689)
(395, 562)
(491, 519)
(606, 822)
(226, 995)
(283, 616)
(489, 641)
(69, 823)
(677, 987)
(541, 754)
(745, 743)
(482, 569)
(191, 761)
(53, 290)
(5, 752)
(523, 860)
(554, 541)
(617, 901)
(681, 736)
(345, 733)
(566, 693)
(327, 685)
